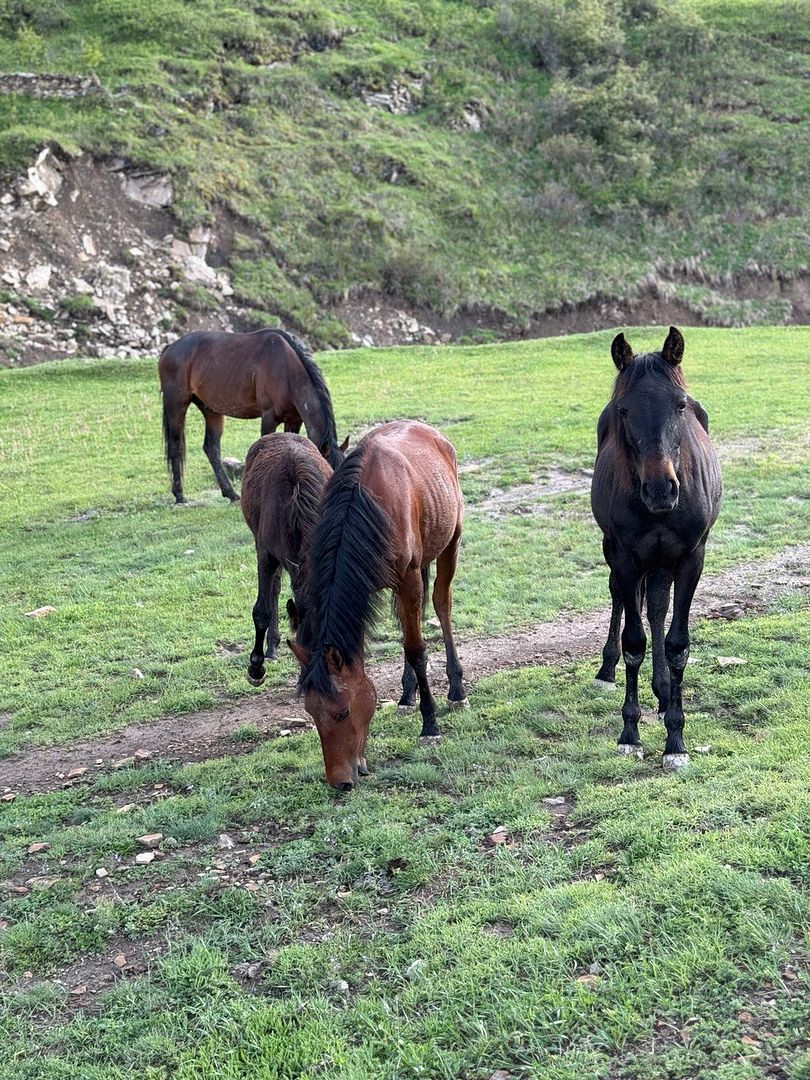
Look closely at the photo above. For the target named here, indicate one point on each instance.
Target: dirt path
(207, 734)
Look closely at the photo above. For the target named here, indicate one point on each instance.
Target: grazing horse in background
(281, 494)
(655, 494)
(392, 507)
(269, 373)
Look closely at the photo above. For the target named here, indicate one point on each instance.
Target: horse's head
(333, 453)
(341, 699)
(650, 402)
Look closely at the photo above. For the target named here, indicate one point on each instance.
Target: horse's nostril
(347, 786)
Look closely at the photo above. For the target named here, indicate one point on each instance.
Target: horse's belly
(234, 396)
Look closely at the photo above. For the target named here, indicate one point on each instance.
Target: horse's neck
(309, 408)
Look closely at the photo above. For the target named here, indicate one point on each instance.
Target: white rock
(198, 271)
(144, 857)
(88, 244)
(38, 277)
(148, 188)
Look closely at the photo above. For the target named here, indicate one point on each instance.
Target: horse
(655, 494)
(389, 510)
(281, 492)
(268, 373)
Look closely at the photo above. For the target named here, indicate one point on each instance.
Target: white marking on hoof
(463, 704)
(605, 687)
(429, 740)
(626, 750)
(404, 709)
(256, 682)
(674, 762)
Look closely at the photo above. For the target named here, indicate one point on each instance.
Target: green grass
(395, 943)
(88, 526)
(666, 144)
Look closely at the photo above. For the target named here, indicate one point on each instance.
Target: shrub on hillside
(567, 34)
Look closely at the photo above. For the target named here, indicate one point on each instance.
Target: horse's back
(411, 470)
(276, 467)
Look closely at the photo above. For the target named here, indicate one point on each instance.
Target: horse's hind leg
(659, 583)
(676, 646)
(265, 615)
(606, 675)
(443, 603)
(409, 610)
(174, 419)
(214, 423)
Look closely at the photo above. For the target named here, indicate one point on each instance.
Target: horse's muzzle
(660, 496)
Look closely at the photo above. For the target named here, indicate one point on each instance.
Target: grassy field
(612, 144)
(638, 925)
(89, 526)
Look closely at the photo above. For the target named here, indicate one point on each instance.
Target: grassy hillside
(87, 522)
(626, 147)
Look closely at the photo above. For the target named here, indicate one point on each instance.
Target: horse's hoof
(463, 703)
(605, 687)
(254, 681)
(362, 770)
(403, 709)
(430, 740)
(674, 762)
(629, 750)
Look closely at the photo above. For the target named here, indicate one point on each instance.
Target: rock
(284, 732)
(296, 721)
(253, 859)
(40, 612)
(250, 970)
(144, 857)
(101, 872)
(226, 842)
(588, 980)
(39, 277)
(233, 467)
(148, 188)
(341, 986)
(78, 991)
(11, 276)
(136, 673)
(150, 840)
(5, 245)
(414, 969)
(554, 800)
(120, 961)
(74, 774)
(8, 796)
(43, 179)
(143, 755)
(35, 849)
(702, 749)
(88, 245)
(124, 763)
(497, 836)
(199, 239)
(113, 283)
(197, 271)
(729, 661)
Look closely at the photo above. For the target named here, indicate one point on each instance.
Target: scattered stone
(39, 277)
(702, 749)
(588, 980)
(74, 774)
(8, 796)
(120, 961)
(296, 721)
(284, 732)
(414, 970)
(143, 755)
(124, 763)
(341, 986)
(35, 849)
(144, 857)
(253, 859)
(148, 188)
(88, 244)
(78, 991)
(730, 661)
(250, 970)
(555, 800)
(136, 673)
(40, 612)
(498, 836)
(226, 842)
(150, 840)
(101, 872)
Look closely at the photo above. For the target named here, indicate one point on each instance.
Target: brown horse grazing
(655, 494)
(269, 373)
(392, 507)
(281, 494)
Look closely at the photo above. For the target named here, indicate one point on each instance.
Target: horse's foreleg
(676, 647)
(409, 687)
(269, 422)
(606, 675)
(214, 424)
(443, 603)
(409, 610)
(634, 645)
(265, 615)
(659, 583)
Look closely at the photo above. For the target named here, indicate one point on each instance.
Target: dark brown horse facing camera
(392, 507)
(268, 374)
(655, 494)
(281, 494)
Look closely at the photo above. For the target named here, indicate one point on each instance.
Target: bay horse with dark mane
(392, 507)
(281, 494)
(269, 374)
(655, 494)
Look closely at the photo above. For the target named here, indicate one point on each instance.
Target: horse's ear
(673, 348)
(621, 352)
(299, 652)
(344, 446)
(292, 614)
(334, 661)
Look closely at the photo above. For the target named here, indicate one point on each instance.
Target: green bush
(567, 34)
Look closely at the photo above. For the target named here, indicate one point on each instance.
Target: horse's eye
(343, 715)
(681, 406)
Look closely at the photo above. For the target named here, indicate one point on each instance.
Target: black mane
(319, 386)
(647, 364)
(349, 567)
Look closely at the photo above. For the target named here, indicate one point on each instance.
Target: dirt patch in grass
(529, 499)
(209, 734)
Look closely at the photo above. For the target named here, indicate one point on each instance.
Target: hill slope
(490, 162)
